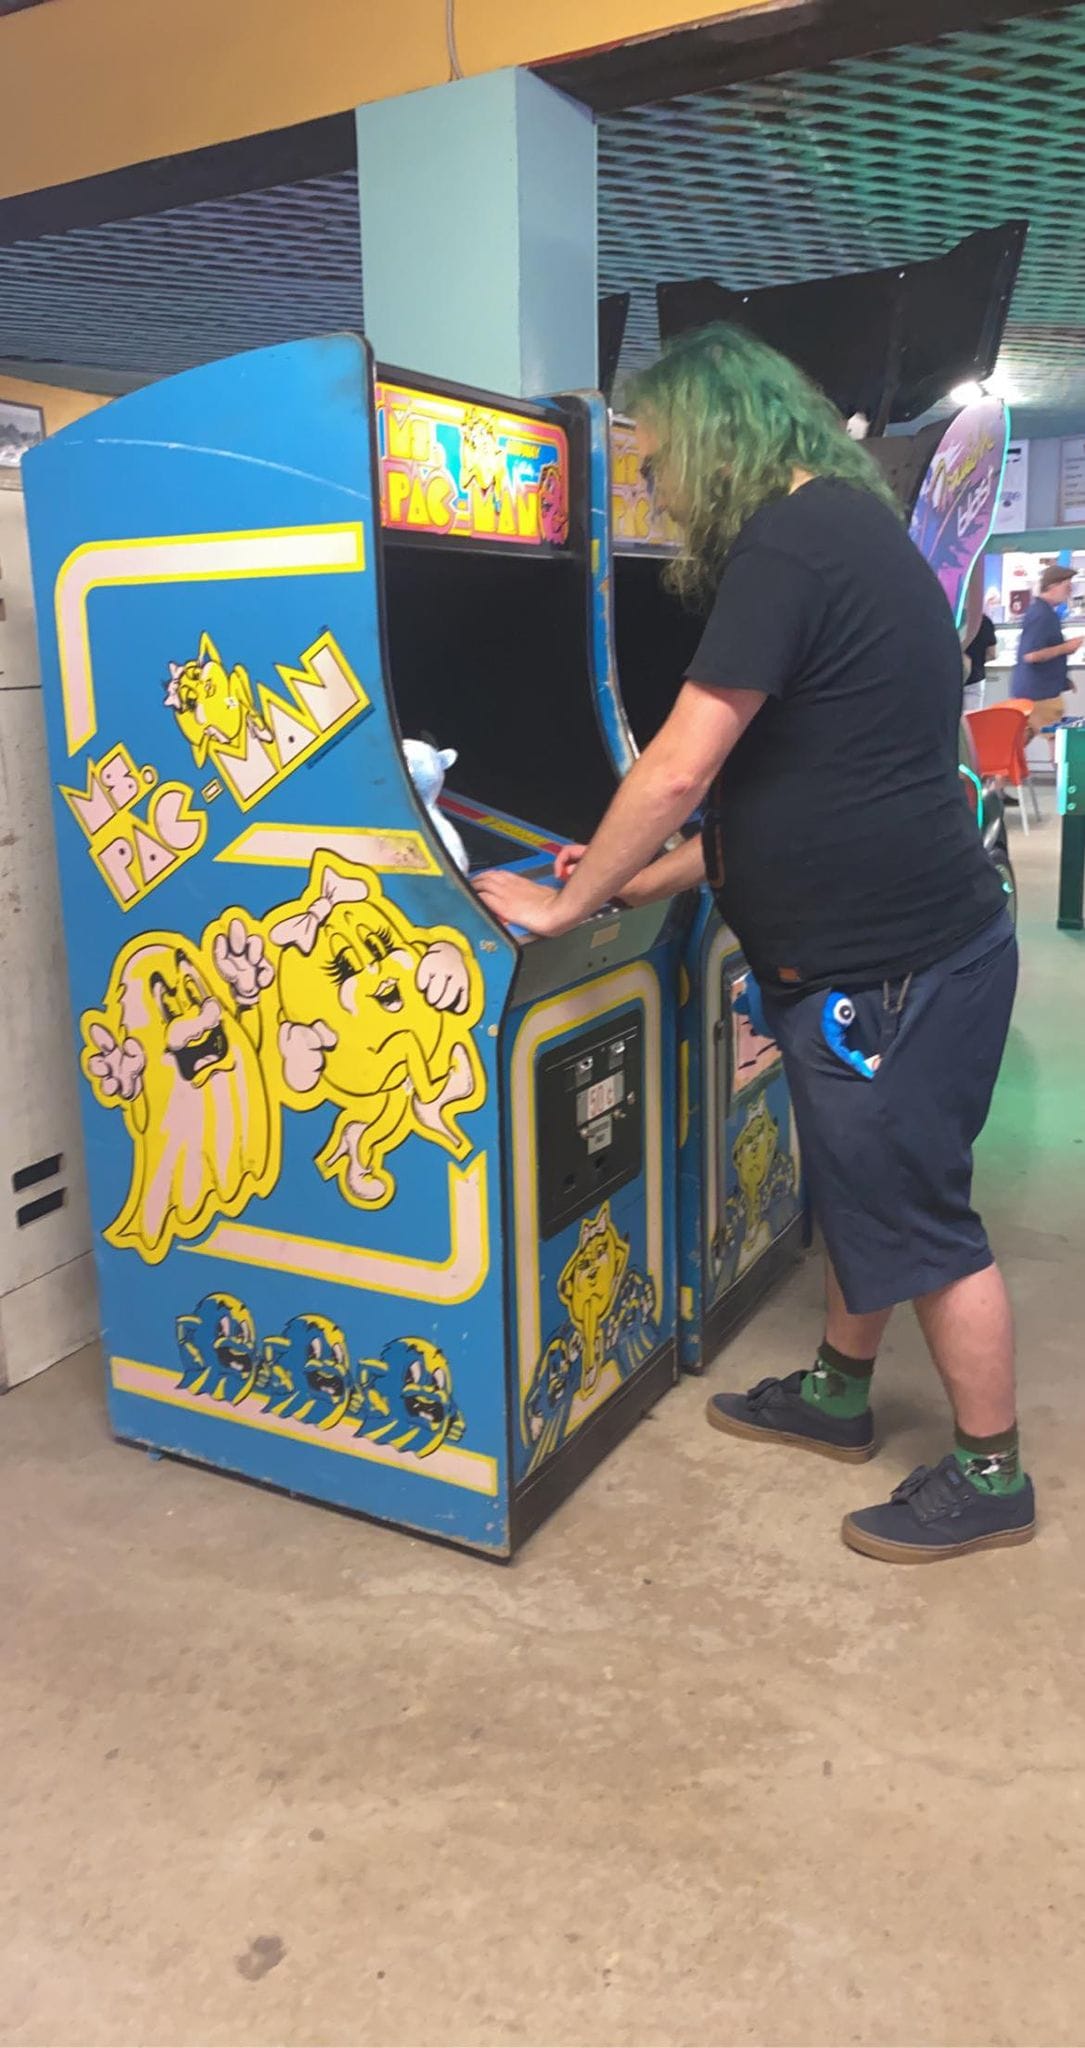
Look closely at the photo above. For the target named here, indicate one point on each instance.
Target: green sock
(837, 1384)
(993, 1463)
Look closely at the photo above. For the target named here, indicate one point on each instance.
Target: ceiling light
(1000, 385)
(967, 394)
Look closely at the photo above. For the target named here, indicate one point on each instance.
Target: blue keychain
(837, 1018)
(749, 1004)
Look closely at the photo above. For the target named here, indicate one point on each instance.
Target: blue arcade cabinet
(741, 1215)
(384, 1199)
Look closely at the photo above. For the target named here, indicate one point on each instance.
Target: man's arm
(672, 776)
(682, 868)
(1052, 653)
(659, 793)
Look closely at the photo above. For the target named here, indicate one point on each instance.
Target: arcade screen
(486, 849)
(655, 640)
(489, 654)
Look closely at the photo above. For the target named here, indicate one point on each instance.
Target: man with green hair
(819, 716)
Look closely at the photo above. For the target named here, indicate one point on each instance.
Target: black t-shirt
(983, 643)
(849, 850)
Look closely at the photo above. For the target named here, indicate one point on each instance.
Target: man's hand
(567, 859)
(527, 904)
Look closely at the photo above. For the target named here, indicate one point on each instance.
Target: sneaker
(940, 1513)
(775, 1412)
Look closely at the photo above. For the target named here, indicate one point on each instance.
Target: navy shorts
(888, 1161)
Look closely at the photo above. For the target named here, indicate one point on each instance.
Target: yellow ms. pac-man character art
(754, 1153)
(589, 1285)
(611, 1328)
(176, 1048)
(211, 704)
(376, 1015)
(483, 461)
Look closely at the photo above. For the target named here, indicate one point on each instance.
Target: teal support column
(478, 221)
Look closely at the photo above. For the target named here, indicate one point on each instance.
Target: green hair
(735, 420)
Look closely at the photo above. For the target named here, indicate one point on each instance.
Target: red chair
(1000, 735)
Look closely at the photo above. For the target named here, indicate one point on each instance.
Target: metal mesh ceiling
(172, 289)
(869, 162)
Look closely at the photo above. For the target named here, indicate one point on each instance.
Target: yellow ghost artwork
(213, 705)
(376, 1015)
(588, 1286)
(176, 1049)
(753, 1153)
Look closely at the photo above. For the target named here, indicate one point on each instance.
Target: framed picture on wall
(21, 427)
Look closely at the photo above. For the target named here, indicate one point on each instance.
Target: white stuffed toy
(428, 767)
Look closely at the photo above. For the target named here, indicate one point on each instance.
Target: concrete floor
(687, 1773)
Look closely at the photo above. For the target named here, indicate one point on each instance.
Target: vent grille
(32, 1176)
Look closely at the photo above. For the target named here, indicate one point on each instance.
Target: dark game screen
(486, 849)
(489, 654)
(655, 639)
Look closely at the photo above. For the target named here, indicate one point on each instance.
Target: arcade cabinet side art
(287, 1003)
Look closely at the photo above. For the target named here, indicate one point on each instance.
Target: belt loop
(890, 1007)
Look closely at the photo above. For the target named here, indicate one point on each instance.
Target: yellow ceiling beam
(95, 85)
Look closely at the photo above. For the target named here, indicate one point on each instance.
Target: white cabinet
(48, 1303)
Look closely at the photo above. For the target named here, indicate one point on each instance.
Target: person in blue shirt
(1042, 651)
